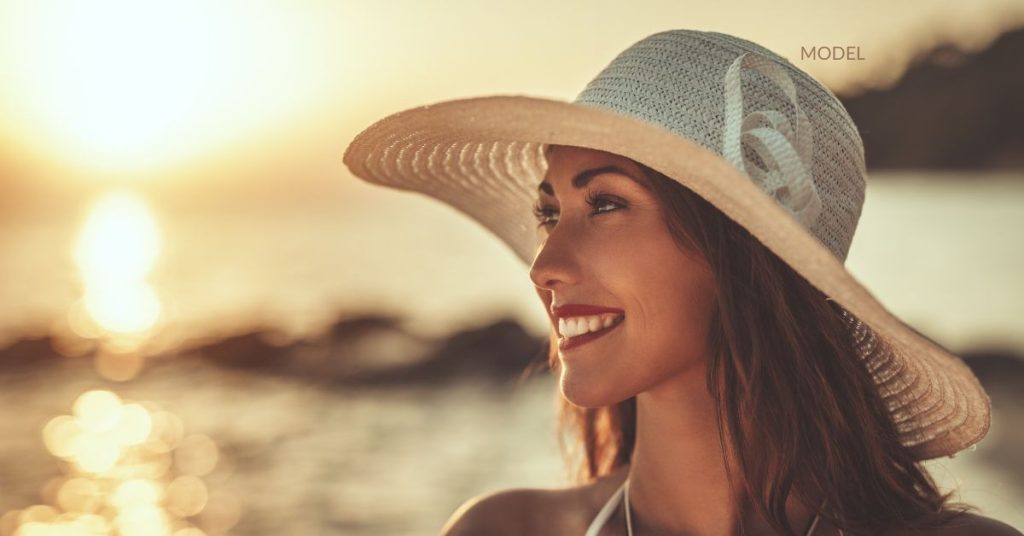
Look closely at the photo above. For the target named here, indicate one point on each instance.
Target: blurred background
(208, 326)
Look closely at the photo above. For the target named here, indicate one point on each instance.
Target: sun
(125, 87)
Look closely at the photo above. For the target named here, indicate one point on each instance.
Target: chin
(589, 393)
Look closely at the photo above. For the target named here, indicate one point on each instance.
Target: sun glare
(121, 87)
(118, 245)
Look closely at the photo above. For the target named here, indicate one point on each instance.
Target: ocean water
(300, 459)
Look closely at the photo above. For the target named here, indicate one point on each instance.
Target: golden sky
(115, 89)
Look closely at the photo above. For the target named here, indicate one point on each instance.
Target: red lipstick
(578, 309)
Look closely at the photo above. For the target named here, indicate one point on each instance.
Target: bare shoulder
(538, 512)
(512, 511)
(967, 524)
(978, 525)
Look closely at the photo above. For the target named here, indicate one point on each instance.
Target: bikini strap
(613, 502)
(817, 517)
(606, 512)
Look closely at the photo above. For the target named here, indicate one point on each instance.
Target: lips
(579, 309)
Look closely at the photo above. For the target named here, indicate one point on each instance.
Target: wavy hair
(780, 352)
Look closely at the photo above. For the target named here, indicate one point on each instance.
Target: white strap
(814, 525)
(605, 513)
(613, 502)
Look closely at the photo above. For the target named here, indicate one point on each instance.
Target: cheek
(687, 319)
(674, 296)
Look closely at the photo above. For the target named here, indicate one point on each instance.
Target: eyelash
(593, 199)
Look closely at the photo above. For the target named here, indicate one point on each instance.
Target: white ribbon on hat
(785, 149)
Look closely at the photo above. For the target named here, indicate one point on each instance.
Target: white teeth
(575, 326)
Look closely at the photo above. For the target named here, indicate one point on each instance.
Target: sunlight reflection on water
(128, 469)
(117, 247)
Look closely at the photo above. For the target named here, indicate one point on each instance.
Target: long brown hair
(793, 397)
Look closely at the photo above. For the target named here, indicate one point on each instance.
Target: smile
(581, 330)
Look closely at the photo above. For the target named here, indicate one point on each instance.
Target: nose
(556, 262)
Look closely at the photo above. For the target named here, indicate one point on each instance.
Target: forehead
(565, 156)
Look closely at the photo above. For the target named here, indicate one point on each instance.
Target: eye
(599, 201)
(542, 213)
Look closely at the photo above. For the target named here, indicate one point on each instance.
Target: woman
(724, 374)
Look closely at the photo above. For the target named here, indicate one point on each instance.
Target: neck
(678, 482)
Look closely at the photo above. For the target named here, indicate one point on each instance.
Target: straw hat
(735, 123)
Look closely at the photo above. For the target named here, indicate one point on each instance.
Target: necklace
(629, 521)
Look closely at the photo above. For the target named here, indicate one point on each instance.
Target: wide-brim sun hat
(737, 124)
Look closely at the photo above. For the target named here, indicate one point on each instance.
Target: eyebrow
(584, 177)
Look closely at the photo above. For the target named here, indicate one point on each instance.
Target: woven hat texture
(737, 124)
(724, 94)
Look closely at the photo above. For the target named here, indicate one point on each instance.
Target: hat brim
(483, 156)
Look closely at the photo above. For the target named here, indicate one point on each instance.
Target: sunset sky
(110, 89)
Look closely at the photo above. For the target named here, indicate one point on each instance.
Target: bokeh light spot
(186, 496)
(97, 410)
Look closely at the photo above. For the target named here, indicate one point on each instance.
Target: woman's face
(603, 241)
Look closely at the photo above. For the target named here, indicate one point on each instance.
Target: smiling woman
(695, 281)
(720, 371)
